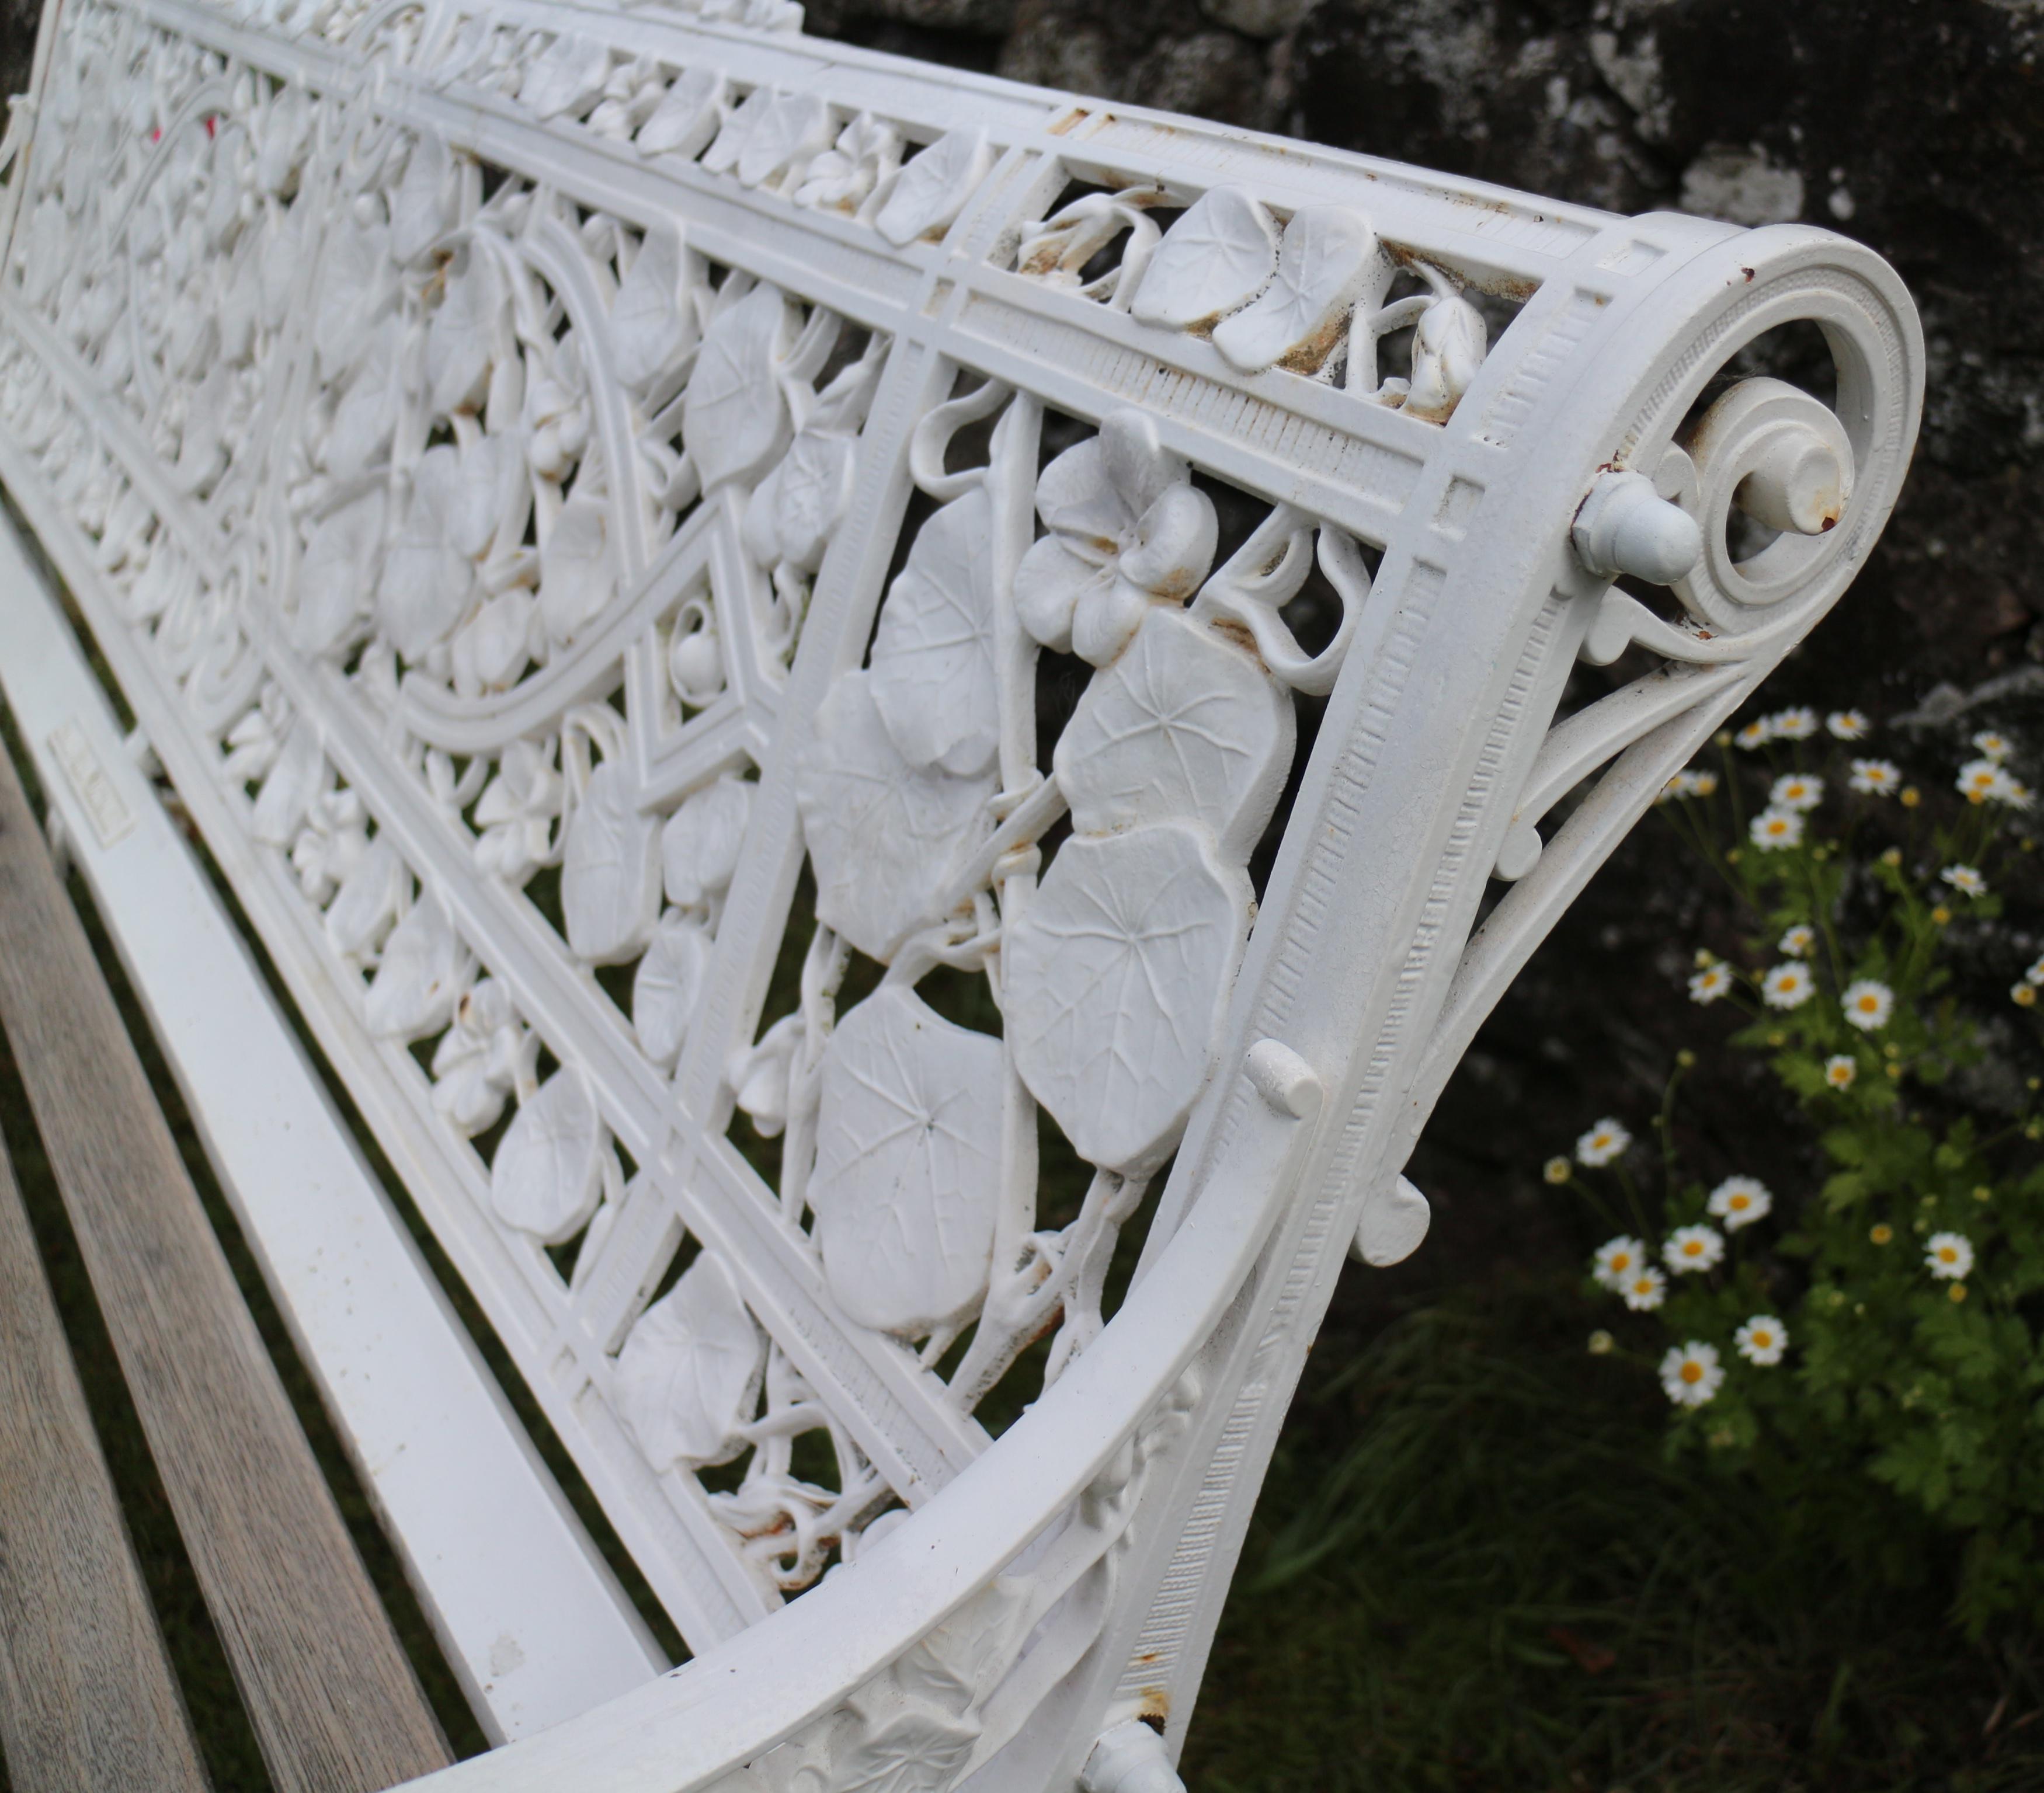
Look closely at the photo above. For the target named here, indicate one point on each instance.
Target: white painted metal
(479, 437)
(532, 1621)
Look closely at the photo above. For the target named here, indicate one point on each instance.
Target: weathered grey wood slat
(87, 1700)
(334, 1703)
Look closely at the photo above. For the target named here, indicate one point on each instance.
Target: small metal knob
(1130, 1758)
(1797, 485)
(1625, 526)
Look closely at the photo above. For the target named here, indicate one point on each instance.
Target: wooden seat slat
(333, 1701)
(87, 1700)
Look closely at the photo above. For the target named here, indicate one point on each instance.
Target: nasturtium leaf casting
(722, 155)
(293, 782)
(360, 435)
(568, 77)
(699, 845)
(653, 320)
(1117, 976)
(688, 1375)
(337, 575)
(687, 117)
(548, 1175)
(366, 906)
(422, 208)
(493, 648)
(1183, 724)
(1213, 261)
(885, 837)
(426, 581)
(933, 671)
(466, 332)
(357, 285)
(908, 1173)
(610, 870)
(578, 567)
(423, 969)
(735, 419)
(914, 1750)
(793, 127)
(932, 189)
(666, 986)
(1328, 261)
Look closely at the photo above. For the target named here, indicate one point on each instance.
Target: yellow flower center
(1739, 1203)
(1693, 1248)
(1946, 1255)
(1691, 1371)
(1762, 1340)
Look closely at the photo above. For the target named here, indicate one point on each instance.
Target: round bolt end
(1797, 487)
(1625, 526)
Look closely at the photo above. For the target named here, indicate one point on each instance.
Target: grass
(1474, 1569)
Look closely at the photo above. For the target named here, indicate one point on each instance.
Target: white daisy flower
(1848, 725)
(1677, 786)
(1876, 777)
(1692, 1248)
(1966, 880)
(1840, 1071)
(1755, 734)
(1691, 1373)
(1948, 1256)
(1739, 1201)
(1868, 1003)
(1604, 1141)
(2008, 789)
(1555, 1170)
(1762, 1340)
(1645, 1290)
(1979, 780)
(1792, 725)
(1773, 829)
(1618, 1261)
(1703, 783)
(1709, 984)
(1992, 747)
(1798, 940)
(2035, 973)
(2023, 995)
(1787, 986)
(1798, 790)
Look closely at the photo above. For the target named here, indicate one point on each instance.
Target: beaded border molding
(737, 614)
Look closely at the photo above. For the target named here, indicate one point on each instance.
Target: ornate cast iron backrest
(747, 619)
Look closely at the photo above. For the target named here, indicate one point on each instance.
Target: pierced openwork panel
(744, 624)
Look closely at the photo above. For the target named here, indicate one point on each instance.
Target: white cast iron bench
(761, 634)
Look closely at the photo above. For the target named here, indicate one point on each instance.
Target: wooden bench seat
(336, 1705)
(87, 1695)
